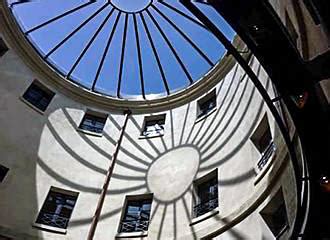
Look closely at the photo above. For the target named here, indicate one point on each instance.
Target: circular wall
(44, 150)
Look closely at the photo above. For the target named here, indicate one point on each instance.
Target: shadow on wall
(23, 131)
(20, 133)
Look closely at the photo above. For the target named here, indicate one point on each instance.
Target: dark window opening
(206, 194)
(38, 95)
(154, 126)
(3, 172)
(137, 215)
(275, 215)
(206, 104)
(262, 139)
(93, 122)
(3, 47)
(57, 208)
(5, 238)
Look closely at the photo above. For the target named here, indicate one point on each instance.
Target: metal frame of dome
(157, 103)
(139, 21)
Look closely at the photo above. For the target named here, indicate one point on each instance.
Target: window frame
(134, 198)
(267, 151)
(267, 212)
(51, 228)
(3, 47)
(211, 96)
(158, 117)
(46, 91)
(94, 114)
(3, 237)
(5, 171)
(196, 199)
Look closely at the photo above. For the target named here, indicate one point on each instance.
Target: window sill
(31, 105)
(49, 228)
(152, 136)
(280, 234)
(206, 115)
(204, 216)
(264, 170)
(89, 132)
(132, 234)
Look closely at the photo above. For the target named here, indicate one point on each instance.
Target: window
(93, 122)
(5, 238)
(262, 139)
(3, 47)
(275, 215)
(206, 104)
(206, 194)
(153, 126)
(38, 95)
(57, 208)
(137, 214)
(3, 172)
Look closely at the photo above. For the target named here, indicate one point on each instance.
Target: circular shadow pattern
(171, 174)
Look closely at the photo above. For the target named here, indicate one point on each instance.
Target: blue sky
(32, 14)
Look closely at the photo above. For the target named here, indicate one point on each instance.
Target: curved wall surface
(44, 150)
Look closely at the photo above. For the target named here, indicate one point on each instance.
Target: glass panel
(38, 97)
(161, 49)
(207, 197)
(93, 123)
(56, 210)
(279, 219)
(136, 216)
(265, 140)
(3, 172)
(154, 127)
(207, 106)
(3, 47)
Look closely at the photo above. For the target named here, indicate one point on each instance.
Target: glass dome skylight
(122, 48)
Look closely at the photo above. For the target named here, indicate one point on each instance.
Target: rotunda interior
(156, 119)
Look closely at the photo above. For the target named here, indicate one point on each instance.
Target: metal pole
(98, 210)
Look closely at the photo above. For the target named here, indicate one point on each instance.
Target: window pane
(3, 172)
(136, 216)
(93, 123)
(3, 47)
(38, 97)
(207, 196)
(154, 126)
(206, 104)
(57, 209)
